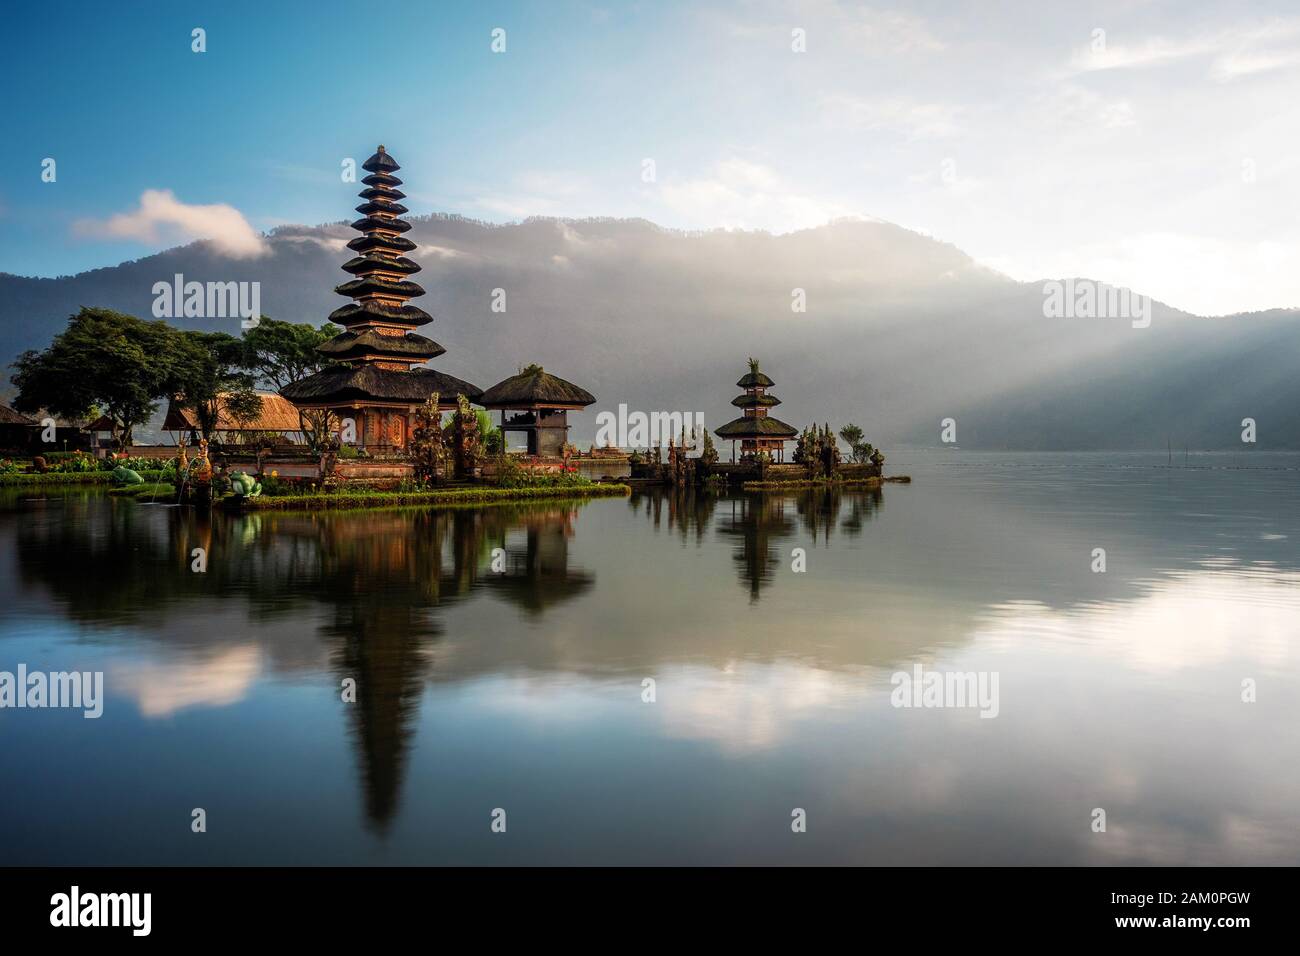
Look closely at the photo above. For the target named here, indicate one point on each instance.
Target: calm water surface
(523, 690)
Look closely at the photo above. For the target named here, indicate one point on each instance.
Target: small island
(349, 415)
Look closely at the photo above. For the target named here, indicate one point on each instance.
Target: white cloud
(1200, 274)
(739, 194)
(1239, 50)
(162, 688)
(1259, 49)
(746, 707)
(915, 119)
(1149, 52)
(832, 24)
(162, 217)
(325, 242)
(1235, 65)
(538, 193)
(1188, 620)
(428, 251)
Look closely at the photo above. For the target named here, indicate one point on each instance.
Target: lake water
(523, 689)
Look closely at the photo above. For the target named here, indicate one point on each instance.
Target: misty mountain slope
(899, 331)
(1187, 384)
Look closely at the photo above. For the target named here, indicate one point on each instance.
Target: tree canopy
(210, 365)
(120, 366)
(279, 353)
(104, 361)
(853, 436)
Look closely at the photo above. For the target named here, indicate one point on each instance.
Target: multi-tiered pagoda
(756, 429)
(377, 383)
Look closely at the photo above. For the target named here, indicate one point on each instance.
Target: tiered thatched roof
(378, 348)
(755, 423)
(755, 428)
(350, 345)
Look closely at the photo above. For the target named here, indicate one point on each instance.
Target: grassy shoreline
(360, 500)
(35, 479)
(813, 483)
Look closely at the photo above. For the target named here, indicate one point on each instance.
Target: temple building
(377, 383)
(756, 429)
(542, 402)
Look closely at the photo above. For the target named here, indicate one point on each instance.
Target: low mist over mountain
(900, 330)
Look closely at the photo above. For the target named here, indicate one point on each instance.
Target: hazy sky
(1160, 154)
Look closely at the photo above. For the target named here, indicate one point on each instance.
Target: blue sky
(1163, 157)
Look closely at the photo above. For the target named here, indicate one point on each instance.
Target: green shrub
(370, 498)
(512, 475)
(37, 479)
(53, 456)
(275, 485)
(140, 463)
(78, 463)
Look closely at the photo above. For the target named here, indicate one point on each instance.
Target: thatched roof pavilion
(543, 402)
(275, 414)
(377, 382)
(756, 430)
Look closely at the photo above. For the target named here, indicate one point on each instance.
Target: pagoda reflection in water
(760, 521)
(381, 579)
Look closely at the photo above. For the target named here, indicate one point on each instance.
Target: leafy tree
(861, 450)
(494, 439)
(210, 366)
(852, 435)
(104, 360)
(280, 353)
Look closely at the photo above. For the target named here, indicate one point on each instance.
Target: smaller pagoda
(756, 429)
(542, 403)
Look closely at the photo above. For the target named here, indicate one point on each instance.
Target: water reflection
(536, 572)
(1119, 689)
(374, 580)
(760, 522)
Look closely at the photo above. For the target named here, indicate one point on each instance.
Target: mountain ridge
(900, 329)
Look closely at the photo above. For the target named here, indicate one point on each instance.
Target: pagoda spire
(378, 378)
(756, 429)
(381, 288)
